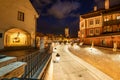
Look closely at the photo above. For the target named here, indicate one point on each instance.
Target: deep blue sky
(55, 15)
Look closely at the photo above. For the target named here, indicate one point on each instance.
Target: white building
(17, 23)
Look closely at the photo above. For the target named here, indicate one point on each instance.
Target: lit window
(20, 16)
(108, 29)
(106, 19)
(118, 17)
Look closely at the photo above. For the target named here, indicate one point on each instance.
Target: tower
(107, 4)
(66, 32)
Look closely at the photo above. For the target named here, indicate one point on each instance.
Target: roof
(102, 11)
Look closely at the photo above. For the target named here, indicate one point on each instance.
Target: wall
(9, 13)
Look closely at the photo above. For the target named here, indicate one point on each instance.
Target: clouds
(63, 9)
(57, 14)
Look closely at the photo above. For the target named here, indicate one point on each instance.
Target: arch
(16, 37)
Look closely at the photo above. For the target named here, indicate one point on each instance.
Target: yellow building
(17, 23)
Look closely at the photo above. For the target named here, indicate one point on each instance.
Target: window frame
(21, 16)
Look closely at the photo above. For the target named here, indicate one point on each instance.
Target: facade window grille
(20, 16)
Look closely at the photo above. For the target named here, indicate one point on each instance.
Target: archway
(16, 37)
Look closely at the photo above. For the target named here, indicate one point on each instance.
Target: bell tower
(107, 4)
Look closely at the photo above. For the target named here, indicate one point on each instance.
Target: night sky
(55, 15)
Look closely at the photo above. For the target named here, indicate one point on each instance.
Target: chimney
(95, 8)
(107, 4)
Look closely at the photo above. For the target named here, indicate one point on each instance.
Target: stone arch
(16, 37)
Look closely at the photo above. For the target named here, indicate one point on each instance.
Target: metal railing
(35, 61)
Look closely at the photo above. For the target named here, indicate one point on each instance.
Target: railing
(111, 22)
(37, 64)
(35, 61)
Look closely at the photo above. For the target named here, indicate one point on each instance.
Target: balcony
(111, 22)
(111, 33)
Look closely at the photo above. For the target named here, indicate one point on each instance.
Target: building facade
(101, 27)
(18, 23)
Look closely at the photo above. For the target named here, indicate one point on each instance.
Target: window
(106, 19)
(97, 21)
(82, 25)
(20, 16)
(104, 29)
(91, 22)
(82, 32)
(118, 27)
(91, 32)
(108, 29)
(0, 35)
(97, 31)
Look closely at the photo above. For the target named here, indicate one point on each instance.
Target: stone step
(15, 69)
(7, 60)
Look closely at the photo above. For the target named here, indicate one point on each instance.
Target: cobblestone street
(102, 58)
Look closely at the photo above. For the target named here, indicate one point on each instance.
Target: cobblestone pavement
(102, 58)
